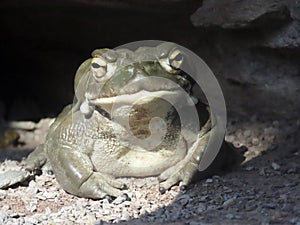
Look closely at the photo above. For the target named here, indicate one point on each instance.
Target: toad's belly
(138, 163)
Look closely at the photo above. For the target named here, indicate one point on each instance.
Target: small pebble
(209, 180)
(249, 168)
(275, 166)
(173, 193)
(262, 172)
(230, 216)
(30, 220)
(229, 202)
(255, 141)
(295, 220)
(250, 206)
(5, 207)
(230, 138)
(270, 206)
(292, 170)
(247, 133)
(47, 211)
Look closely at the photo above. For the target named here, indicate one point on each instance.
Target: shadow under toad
(255, 191)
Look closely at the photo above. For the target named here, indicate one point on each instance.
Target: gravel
(264, 190)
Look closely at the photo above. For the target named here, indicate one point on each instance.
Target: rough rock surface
(238, 14)
(254, 53)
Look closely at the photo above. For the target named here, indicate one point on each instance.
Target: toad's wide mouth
(132, 98)
(114, 88)
(140, 97)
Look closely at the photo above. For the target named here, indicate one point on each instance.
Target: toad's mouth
(139, 86)
(140, 97)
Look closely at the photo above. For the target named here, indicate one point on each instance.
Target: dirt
(263, 190)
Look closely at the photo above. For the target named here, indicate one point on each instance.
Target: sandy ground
(264, 190)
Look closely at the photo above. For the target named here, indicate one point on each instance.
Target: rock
(119, 200)
(294, 7)
(295, 220)
(5, 207)
(262, 171)
(292, 170)
(247, 133)
(246, 65)
(209, 181)
(255, 141)
(12, 177)
(286, 36)
(229, 202)
(270, 206)
(275, 166)
(22, 125)
(184, 199)
(238, 14)
(230, 138)
(125, 216)
(230, 216)
(250, 206)
(249, 168)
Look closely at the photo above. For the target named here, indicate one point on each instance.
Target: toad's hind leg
(74, 172)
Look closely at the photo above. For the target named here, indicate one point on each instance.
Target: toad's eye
(95, 65)
(98, 67)
(172, 62)
(175, 59)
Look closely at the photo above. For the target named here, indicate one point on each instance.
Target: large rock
(286, 36)
(237, 13)
(253, 48)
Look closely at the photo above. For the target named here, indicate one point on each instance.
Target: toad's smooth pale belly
(138, 162)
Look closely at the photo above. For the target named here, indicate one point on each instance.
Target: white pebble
(275, 166)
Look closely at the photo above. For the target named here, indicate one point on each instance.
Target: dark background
(251, 46)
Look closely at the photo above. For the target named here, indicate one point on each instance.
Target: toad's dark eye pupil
(95, 65)
(178, 57)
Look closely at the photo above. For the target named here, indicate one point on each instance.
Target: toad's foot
(99, 185)
(184, 170)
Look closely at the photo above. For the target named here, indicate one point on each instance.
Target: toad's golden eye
(175, 59)
(172, 62)
(98, 67)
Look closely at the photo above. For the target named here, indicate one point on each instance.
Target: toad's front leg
(74, 172)
(184, 170)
